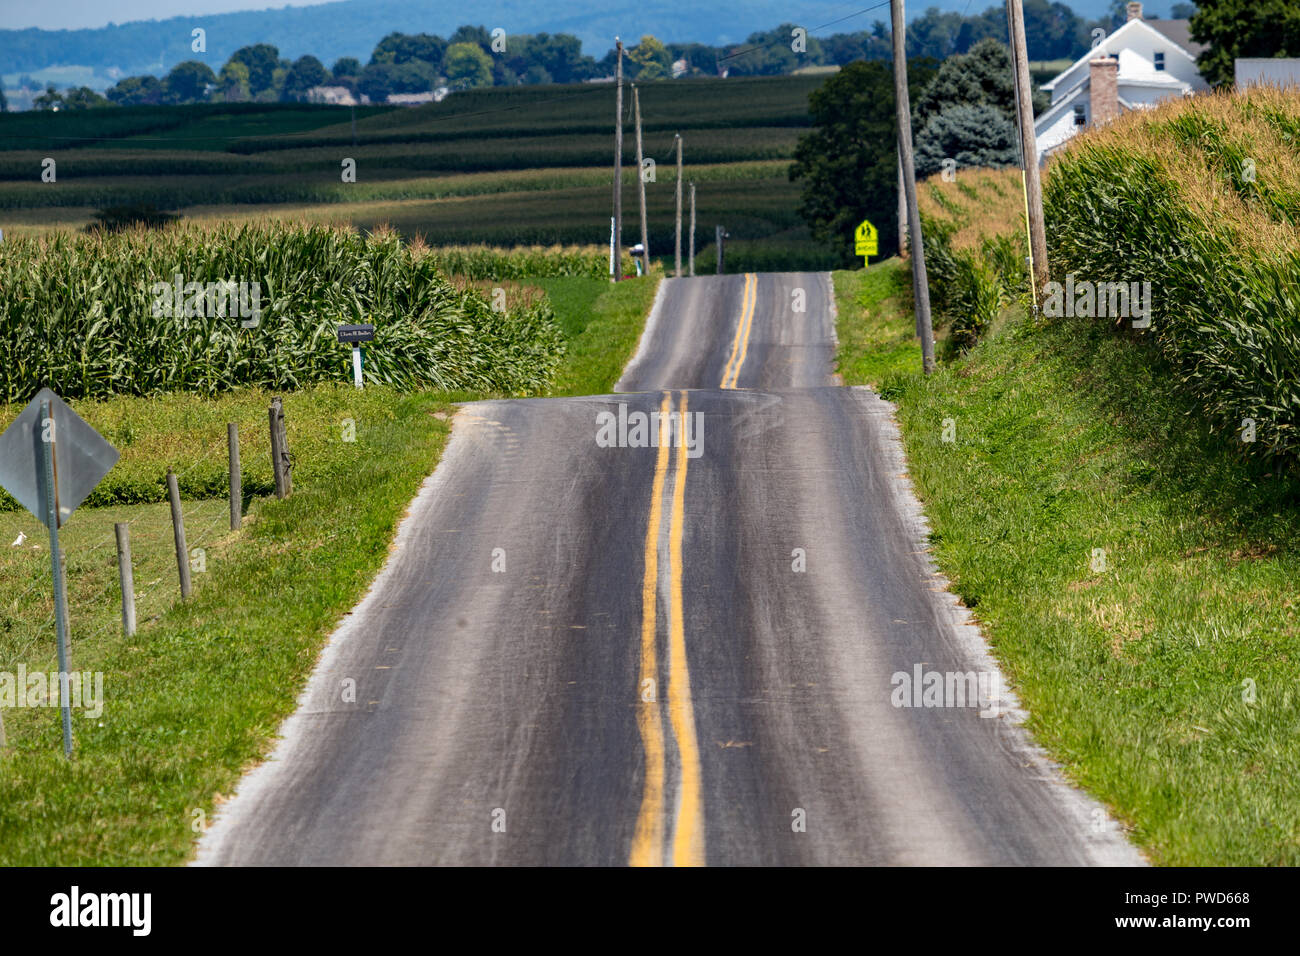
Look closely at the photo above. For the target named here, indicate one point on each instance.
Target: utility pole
(692, 258)
(618, 163)
(640, 180)
(678, 255)
(902, 209)
(920, 284)
(902, 233)
(1028, 149)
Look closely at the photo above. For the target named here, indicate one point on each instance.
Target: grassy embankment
(1135, 569)
(197, 694)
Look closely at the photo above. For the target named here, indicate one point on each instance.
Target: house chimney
(1135, 11)
(1103, 85)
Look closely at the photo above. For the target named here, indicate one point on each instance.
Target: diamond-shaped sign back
(82, 457)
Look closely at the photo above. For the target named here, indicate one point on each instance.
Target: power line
(768, 46)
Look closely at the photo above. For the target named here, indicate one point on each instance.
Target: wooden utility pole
(677, 267)
(904, 108)
(1028, 148)
(618, 163)
(640, 183)
(692, 247)
(902, 209)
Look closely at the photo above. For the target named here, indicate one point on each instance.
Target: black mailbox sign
(352, 334)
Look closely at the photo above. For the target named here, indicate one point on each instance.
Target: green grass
(877, 339)
(197, 695)
(1070, 439)
(602, 323)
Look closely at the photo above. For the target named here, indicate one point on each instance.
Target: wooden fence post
(178, 533)
(125, 576)
(236, 485)
(280, 450)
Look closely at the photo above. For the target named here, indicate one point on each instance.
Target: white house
(1137, 66)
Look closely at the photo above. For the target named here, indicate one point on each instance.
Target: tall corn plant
(1167, 199)
(78, 315)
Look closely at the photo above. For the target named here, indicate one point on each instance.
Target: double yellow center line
(648, 840)
(740, 345)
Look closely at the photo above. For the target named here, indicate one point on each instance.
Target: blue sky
(73, 14)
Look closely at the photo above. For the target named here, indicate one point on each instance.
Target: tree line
(473, 56)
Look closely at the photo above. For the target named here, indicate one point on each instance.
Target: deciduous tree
(306, 72)
(467, 66)
(848, 161)
(188, 82)
(261, 59)
(1243, 28)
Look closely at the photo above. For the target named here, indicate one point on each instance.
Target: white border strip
(647, 334)
(297, 727)
(1104, 840)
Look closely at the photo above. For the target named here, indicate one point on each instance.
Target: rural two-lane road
(591, 647)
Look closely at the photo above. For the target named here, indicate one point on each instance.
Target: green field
(198, 693)
(505, 166)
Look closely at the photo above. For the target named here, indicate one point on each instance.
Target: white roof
(1113, 44)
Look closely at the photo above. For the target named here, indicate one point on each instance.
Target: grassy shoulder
(876, 330)
(602, 323)
(196, 696)
(1139, 581)
(198, 692)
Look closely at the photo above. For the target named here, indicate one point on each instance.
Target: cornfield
(974, 248)
(1201, 197)
(81, 314)
(520, 262)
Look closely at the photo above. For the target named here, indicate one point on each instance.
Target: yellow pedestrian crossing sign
(866, 239)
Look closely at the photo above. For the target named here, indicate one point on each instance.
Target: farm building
(1137, 66)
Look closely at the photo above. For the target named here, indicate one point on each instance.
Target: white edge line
(1106, 848)
(646, 334)
(296, 727)
(834, 312)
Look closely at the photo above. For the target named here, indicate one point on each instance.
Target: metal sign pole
(50, 465)
(356, 365)
(48, 436)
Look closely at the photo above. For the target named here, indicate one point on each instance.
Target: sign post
(866, 241)
(354, 335)
(50, 460)
(50, 477)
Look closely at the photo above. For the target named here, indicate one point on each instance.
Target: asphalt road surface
(690, 623)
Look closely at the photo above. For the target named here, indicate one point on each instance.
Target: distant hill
(353, 27)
